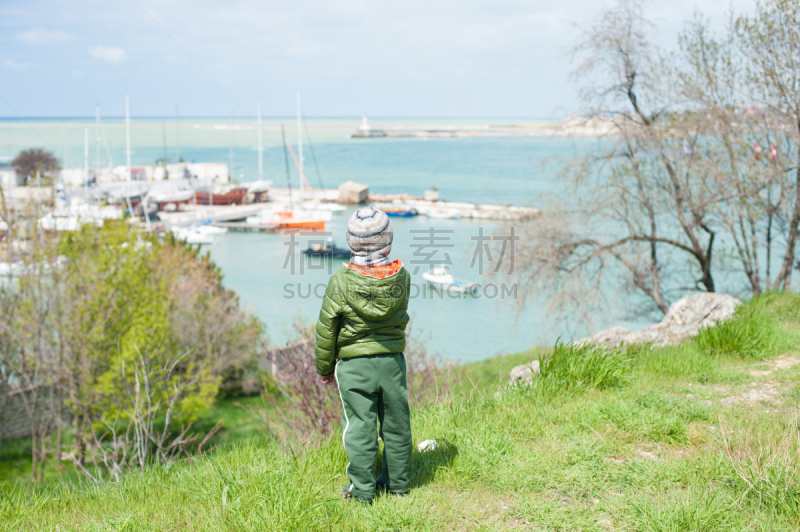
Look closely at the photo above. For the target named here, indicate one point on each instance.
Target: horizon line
(284, 117)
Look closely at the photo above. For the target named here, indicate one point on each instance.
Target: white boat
(314, 219)
(444, 213)
(441, 278)
(316, 205)
(260, 186)
(170, 196)
(192, 235)
(210, 230)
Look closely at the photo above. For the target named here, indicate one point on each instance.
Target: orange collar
(377, 272)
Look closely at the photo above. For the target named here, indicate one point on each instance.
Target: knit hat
(369, 231)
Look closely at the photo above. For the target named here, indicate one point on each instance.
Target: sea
(284, 288)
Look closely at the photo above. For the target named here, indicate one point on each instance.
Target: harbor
(439, 192)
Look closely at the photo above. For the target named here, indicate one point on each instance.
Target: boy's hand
(328, 379)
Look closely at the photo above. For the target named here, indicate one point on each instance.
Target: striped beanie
(369, 231)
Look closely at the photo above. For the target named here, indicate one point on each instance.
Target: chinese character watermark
(427, 245)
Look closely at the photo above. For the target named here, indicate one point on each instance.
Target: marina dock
(233, 217)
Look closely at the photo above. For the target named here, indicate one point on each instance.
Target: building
(8, 176)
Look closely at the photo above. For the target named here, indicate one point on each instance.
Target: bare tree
(680, 170)
(36, 160)
(770, 40)
(29, 352)
(712, 81)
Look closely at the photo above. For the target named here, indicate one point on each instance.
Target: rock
(612, 337)
(351, 192)
(684, 319)
(524, 373)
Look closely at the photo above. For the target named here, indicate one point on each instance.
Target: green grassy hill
(703, 436)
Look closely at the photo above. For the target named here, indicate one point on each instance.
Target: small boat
(208, 229)
(440, 277)
(323, 206)
(397, 210)
(161, 198)
(193, 235)
(329, 249)
(292, 219)
(257, 187)
(231, 196)
(445, 214)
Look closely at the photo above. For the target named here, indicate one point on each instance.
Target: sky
(415, 58)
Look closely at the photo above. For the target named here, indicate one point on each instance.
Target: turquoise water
(488, 170)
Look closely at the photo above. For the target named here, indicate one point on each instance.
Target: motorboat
(292, 219)
(442, 213)
(208, 229)
(397, 209)
(193, 235)
(441, 278)
(328, 249)
(175, 197)
(260, 186)
(316, 205)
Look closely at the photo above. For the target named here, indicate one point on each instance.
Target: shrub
(308, 410)
(750, 333)
(571, 368)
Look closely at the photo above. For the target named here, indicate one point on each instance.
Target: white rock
(427, 445)
(524, 373)
(684, 319)
(612, 337)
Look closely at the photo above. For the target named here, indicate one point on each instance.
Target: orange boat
(286, 220)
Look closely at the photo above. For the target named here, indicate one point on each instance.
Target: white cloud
(45, 36)
(109, 54)
(10, 64)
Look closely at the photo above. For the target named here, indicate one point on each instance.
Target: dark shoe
(382, 488)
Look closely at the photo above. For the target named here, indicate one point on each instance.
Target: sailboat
(281, 217)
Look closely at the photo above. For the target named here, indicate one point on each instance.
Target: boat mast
(286, 160)
(260, 148)
(300, 145)
(230, 173)
(86, 156)
(128, 136)
(177, 137)
(97, 139)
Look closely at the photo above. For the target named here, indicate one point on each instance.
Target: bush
(572, 368)
(299, 407)
(750, 333)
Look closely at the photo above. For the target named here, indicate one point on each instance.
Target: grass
(646, 439)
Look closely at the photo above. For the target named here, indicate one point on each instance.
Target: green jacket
(362, 315)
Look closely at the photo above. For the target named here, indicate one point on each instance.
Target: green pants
(374, 388)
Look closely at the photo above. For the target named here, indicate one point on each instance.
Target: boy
(360, 343)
